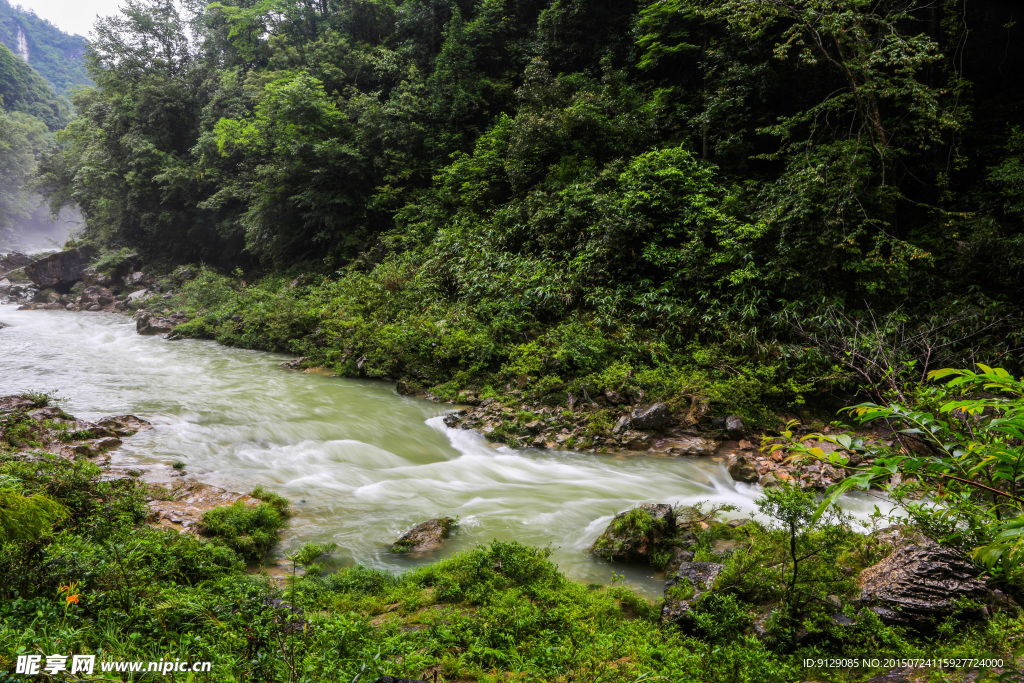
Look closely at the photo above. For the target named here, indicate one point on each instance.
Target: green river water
(361, 463)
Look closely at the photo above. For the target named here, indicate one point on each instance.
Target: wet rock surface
(149, 324)
(691, 581)
(425, 536)
(180, 506)
(54, 430)
(742, 468)
(922, 582)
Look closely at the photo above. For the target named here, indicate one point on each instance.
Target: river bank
(491, 614)
(360, 463)
(628, 415)
(364, 461)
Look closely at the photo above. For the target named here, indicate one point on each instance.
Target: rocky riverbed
(30, 424)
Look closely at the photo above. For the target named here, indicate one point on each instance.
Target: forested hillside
(29, 111)
(57, 56)
(748, 202)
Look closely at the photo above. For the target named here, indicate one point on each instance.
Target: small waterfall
(22, 44)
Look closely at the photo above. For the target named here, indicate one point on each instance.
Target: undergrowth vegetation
(97, 580)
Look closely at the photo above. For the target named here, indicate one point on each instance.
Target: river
(361, 463)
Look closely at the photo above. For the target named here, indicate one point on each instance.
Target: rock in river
(60, 270)
(633, 535)
(742, 469)
(425, 536)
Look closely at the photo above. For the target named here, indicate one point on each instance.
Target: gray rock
(651, 417)
(13, 261)
(742, 469)
(621, 425)
(425, 536)
(123, 425)
(146, 324)
(60, 270)
(636, 441)
(454, 418)
(695, 579)
(734, 427)
(108, 443)
(686, 446)
(679, 556)
(920, 583)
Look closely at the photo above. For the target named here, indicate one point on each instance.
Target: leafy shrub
(249, 530)
(279, 502)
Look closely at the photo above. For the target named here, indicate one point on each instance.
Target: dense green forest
(712, 197)
(57, 56)
(559, 209)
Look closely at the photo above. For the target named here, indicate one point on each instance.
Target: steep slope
(23, 90)
(57, 56)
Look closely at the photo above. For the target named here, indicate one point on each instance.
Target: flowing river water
(361, 463)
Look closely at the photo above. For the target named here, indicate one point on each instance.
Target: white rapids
(361, 463)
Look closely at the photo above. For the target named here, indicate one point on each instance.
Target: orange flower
(72, 599)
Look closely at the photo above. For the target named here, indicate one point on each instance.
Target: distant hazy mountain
(57, 56)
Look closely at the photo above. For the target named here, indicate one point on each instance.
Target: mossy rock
(639, 535)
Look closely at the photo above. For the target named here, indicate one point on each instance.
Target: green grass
(499, 612)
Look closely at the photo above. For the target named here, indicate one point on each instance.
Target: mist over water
(361, 463)
(40, 233)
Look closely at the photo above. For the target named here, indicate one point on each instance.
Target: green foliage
(22, 90)
(24, 517)
(55, 55)
(958, 444)
(493, 613)
(279, 502)
(249, 530)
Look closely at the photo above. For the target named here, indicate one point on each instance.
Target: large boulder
(634, 535)
(650, 417)
(741, 468)
(59, 271)
(425, 536)
(734, 428)
(922, 582)
(149, 324)
(691, 581)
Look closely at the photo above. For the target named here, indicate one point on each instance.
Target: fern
(26, 517)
